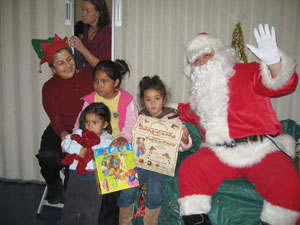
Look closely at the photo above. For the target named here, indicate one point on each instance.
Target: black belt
(248, 139)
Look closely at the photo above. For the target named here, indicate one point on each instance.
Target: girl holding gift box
(107, 80)
(82, 201)
(153, 97)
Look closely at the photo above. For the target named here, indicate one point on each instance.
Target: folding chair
(45, 202)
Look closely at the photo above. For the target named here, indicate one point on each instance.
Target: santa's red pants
(275, 177)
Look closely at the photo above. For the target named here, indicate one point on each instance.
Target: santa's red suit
(242, 137)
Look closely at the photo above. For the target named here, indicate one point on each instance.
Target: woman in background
(96, 43)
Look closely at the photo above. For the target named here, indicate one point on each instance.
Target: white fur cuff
(276, 215)
(194, 204)
(286, 71)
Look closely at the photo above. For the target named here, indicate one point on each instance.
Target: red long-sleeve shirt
(61, 99)
(99, 46)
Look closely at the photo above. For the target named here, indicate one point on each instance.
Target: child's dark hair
(152, 83)
(98, 109)
(115, 70)
(78, 29)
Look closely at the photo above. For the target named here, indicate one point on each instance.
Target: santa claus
(230, 102)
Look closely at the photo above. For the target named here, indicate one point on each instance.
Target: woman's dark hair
(101, 7)
(58, 51)
(98, 109)
(115, 70)
(152, 83)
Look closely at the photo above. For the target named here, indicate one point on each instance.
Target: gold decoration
(298, 156)
(298, 151)
(143, 189)
(238, 43)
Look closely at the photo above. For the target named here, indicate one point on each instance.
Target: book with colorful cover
(115, 169)
(155, 143)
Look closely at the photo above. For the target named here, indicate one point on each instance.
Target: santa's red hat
(202, 43)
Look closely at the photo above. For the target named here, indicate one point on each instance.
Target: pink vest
(125, 99)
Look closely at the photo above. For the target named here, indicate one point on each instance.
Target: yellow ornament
(238, 43)
(298, 156)
(143, 189)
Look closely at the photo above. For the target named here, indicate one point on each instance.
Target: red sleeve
(51, 107)
(104, 48)
(187, 114)
(254, 71)
(99, 46)
(288, 88)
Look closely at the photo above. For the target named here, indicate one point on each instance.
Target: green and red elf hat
(45, 49)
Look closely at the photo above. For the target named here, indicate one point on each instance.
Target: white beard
(209, 95)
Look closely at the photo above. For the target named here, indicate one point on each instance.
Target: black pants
(50, 156)
(109, 214)
(82, 203)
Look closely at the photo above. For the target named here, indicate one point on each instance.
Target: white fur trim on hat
(286, 71)
(194, 204)
(203, 43)
(276, 215)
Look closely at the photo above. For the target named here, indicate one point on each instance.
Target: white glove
(267, 49)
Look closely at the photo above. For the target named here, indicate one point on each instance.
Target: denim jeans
(154, 192)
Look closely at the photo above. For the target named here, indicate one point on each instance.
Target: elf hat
(45, 49)
(202, 43)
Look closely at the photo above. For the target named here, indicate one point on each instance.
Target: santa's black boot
(264, 223)
(196, 219)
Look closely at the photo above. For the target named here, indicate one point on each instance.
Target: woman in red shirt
(61, 100)
(96, 43)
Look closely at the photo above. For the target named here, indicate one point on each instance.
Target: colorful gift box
(115, 169)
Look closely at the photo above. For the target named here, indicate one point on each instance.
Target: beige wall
(22, 117)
